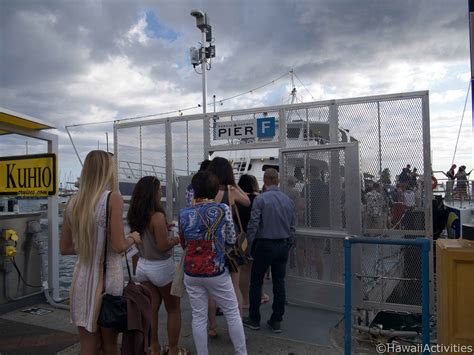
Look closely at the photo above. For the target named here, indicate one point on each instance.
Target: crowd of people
(461, 177)
(386, 204)
(218, 211)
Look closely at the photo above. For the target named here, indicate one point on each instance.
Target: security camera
(202, 20)
(197, 14)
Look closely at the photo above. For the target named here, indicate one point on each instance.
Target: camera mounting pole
(206, 53)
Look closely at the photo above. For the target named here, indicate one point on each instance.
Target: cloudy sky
(82, 61)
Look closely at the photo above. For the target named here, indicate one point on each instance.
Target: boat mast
(293, 91)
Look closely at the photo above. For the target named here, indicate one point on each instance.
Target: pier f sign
(261, 128)
(28, 175)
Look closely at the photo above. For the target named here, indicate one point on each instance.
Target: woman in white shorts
(156, 267)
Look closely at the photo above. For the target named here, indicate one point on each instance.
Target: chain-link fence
(385, 194)
(169, 149)
(394, 146)
(317, 179)
(392, 133)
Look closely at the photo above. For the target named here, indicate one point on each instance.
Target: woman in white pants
(205, 228)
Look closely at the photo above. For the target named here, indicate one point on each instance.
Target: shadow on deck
(304, 331)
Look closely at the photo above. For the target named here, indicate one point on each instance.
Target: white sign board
(235, 129)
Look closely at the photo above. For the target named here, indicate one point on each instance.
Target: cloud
(72, 62)
(447, 96)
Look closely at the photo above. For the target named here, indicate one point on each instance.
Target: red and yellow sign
(28, 175)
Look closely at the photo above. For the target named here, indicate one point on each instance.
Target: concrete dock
(41, 329)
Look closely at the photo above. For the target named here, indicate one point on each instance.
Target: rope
(462, 119)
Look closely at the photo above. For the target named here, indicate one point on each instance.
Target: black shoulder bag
(113, 312)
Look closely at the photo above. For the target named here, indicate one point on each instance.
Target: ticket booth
(34, 176)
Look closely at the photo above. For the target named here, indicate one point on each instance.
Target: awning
(21, 121)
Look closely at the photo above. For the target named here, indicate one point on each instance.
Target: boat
(458, 214)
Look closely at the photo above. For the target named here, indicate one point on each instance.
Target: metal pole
(347, 297)
(203, 68)
(53, 232)
(169, 169)
(107, 140)
(206, 133)
(425, 292)
(380, 138)
(73, 145)
(187, 147)
(116, 154)
(141, 154)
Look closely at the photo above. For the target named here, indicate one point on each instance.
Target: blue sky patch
(155, 29)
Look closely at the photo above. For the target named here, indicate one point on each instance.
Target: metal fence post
(347, 296)
(169, 168)
(425, 291)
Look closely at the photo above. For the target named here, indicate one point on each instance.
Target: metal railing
(424, 245)
(454, 191)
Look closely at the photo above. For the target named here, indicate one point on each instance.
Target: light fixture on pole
(203, 56)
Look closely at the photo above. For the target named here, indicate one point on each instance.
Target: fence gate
(324, 183)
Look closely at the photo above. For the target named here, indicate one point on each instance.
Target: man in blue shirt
(270, 234)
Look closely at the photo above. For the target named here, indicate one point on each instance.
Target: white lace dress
(87, 286)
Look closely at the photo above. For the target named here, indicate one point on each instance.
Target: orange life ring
(434, 182)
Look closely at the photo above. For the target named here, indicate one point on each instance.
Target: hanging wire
(183, 109)
(136, 117)
(462, 119)
(20, 275)
(254, 89)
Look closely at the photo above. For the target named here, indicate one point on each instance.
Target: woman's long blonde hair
(98, 174)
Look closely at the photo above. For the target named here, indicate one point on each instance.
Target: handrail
(126, 165)
(424, 245)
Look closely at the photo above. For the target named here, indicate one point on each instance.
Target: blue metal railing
(424, 245)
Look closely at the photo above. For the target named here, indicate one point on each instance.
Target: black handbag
(113, 312)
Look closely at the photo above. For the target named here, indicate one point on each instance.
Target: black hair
(144, 203)
(223, 170)
(205, 184)
(246, 183)
(204, 165)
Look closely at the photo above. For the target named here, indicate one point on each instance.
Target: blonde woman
(83, 234)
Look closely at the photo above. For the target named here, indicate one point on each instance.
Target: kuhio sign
(28, 175)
